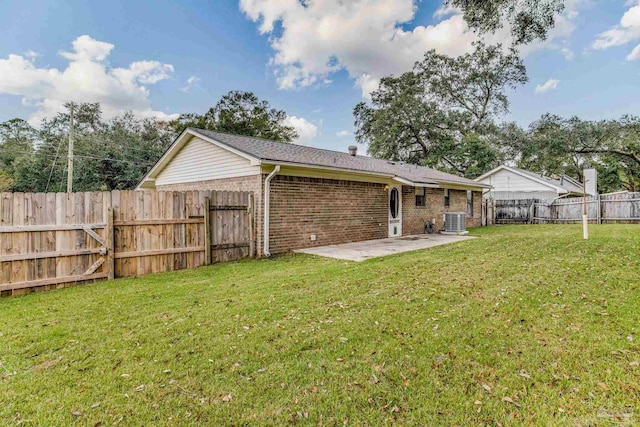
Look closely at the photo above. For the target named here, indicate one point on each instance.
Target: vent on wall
(454, 222)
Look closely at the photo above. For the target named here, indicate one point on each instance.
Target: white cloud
(316, 39)
(344, 133)
(87, 78)
(550, 84)
(445, 10)
(191, 82)
(307, 131)
(628, 30)
(635, 54)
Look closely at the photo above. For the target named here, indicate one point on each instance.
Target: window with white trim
(421, 197)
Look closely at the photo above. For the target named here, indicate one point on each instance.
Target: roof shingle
(274, 151)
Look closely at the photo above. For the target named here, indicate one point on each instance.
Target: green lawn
(526, 325)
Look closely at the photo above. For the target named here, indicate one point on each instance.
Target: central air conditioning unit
(455, 223)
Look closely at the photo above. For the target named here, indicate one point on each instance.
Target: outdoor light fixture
(386, 188)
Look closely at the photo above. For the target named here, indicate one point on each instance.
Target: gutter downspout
(265, 222)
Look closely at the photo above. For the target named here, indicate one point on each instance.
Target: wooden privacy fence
(50, 240)
(605, 208)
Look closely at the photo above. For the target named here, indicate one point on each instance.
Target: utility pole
(70, 156)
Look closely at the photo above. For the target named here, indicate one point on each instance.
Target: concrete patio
(360, 251)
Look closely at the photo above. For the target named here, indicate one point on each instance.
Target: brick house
(308, 196)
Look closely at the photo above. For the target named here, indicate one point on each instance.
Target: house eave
(400, 179)
(266, 162)
(460, 186)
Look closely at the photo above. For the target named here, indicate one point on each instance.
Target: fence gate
(231, 217)
(514, 211)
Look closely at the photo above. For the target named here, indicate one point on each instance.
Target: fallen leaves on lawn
(405, 381)
(48, 364)
(227, 398)
(524, 374)
(76, 413)
(604, 386)
(509, 400)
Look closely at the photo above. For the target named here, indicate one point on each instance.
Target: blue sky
(315, 62)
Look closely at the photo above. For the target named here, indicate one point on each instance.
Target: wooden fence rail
(51, 240)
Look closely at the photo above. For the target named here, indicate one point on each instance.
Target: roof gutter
(326, 168)
(265, 227)
(415, 184)
(463, 186)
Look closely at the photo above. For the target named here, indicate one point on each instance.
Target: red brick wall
(242, 183)
(335, 211)
(414, 217)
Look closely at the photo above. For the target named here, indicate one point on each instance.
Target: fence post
(110, 245)
(493, 211)
(252, 233)
(207, 231)
(531, 211)
(599, 209)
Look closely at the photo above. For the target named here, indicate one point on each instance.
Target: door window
(394, 202)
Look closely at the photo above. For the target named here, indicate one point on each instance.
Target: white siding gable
(200, 160)
(505, 181)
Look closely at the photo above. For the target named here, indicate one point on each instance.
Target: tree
(442, 112)
(474, 83)
(527, 19)
(17, 140)
(241, 113)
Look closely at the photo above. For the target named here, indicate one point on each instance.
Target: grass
(527, 325)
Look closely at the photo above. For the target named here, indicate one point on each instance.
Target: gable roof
(264, 151)
(565, 184)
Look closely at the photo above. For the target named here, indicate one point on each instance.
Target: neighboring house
(511, 183)
(313, 197)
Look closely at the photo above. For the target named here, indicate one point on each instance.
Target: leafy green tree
(17, 140)
(241, 113)
(473, 85)
(443, 111)
(527, 19)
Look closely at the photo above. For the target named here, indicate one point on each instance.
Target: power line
(53, 166)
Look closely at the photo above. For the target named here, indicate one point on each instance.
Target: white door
(395, 211)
